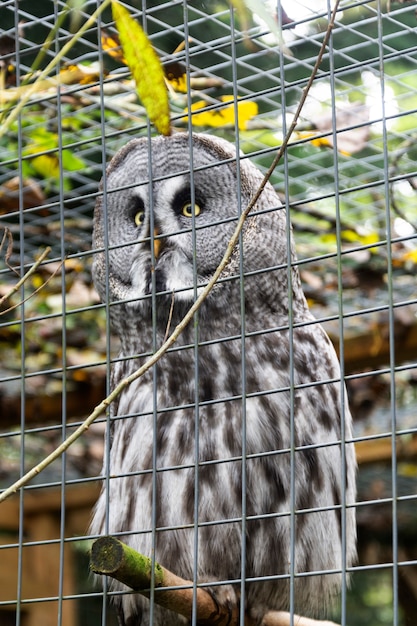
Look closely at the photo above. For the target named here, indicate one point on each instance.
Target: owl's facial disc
(170, 224)
(170, 268)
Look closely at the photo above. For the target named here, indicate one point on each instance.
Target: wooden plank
(41, 563)
(372, 349)
(46, 500)
(380, 450)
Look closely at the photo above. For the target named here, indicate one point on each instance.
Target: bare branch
(31, 295)
(7, 236)
(103, 406)
(24, 278)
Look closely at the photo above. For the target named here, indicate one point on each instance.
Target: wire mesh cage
(240, 72)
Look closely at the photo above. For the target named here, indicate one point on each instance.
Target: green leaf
(146, 68)
(71, 162)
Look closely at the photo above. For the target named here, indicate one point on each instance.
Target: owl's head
(168, 210)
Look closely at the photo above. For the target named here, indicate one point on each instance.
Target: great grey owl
(234, 443)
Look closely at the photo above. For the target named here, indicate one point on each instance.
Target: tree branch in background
(103, 406)
(24, 278)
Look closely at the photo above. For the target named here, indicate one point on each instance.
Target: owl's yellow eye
(188, 210)
(139, 218)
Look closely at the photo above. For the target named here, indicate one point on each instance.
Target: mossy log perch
(111, 557)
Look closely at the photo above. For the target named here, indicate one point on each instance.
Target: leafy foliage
(145, 67)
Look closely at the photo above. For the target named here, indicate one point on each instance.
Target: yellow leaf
(37, 281)
(407, 469)
(82, 74)
(146, 68)
(111, 45)
(411, 256)
(175, 74)
(46, 165)
(225, 116)
(351, 236)
(319, 142)
(354, 236)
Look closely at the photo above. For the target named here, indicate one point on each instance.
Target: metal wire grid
(64, 218)
(247, 71)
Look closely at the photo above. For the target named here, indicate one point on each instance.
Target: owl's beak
(157, 243)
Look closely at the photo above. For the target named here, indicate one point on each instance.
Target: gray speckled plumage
(162, 403)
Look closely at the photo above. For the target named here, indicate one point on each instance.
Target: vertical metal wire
(63, 335)
(154, 498)
(106, 304)
(154, 371)
(342, 469)
(196, 331)
(291, 373)
(22, 337)
(390, 288)
(242, 324)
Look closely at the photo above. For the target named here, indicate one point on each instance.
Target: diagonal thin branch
(7, 236)
(24, 278)
(102, 407)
